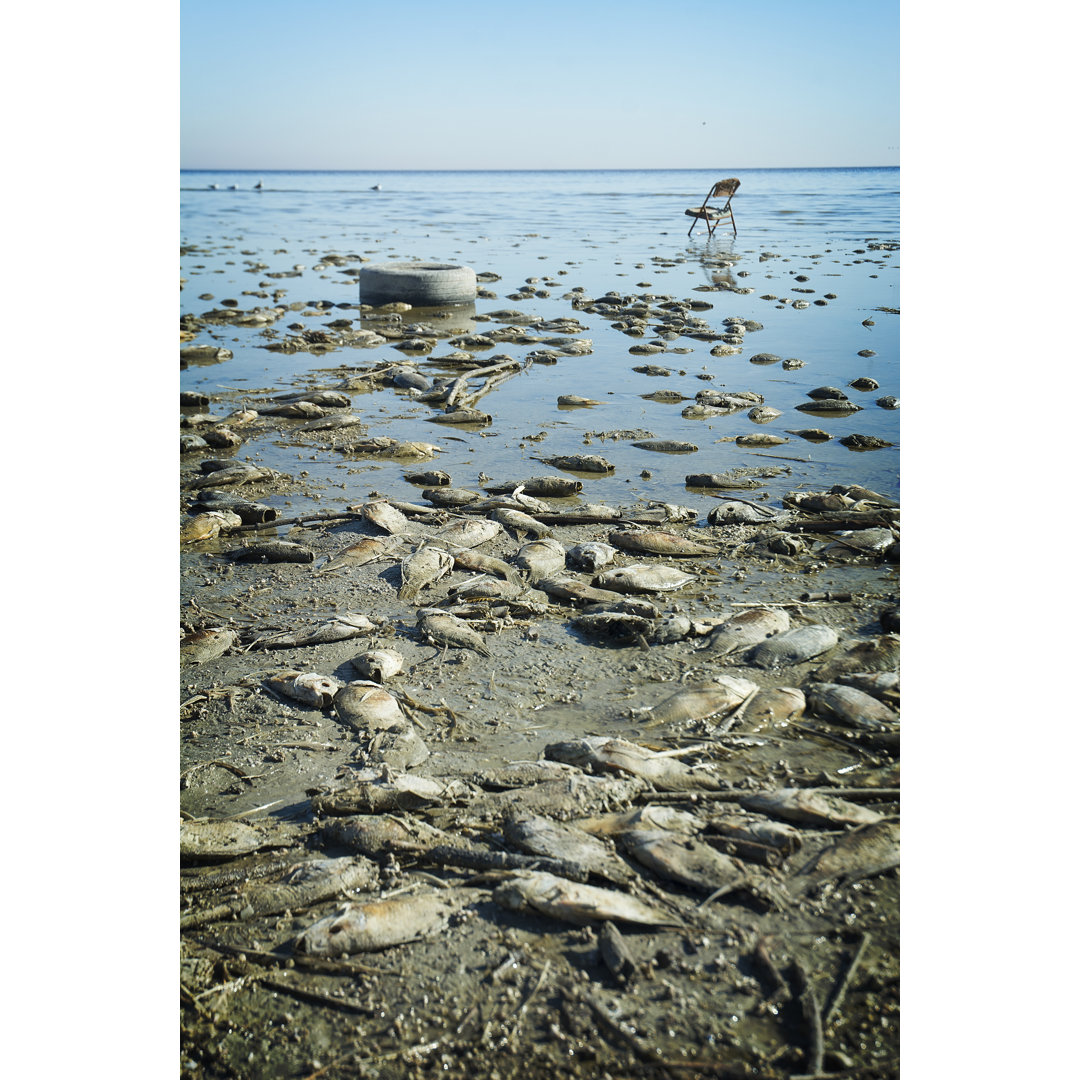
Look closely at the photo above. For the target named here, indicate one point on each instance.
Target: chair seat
(709, 212)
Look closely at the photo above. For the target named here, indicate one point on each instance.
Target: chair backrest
(726, 187)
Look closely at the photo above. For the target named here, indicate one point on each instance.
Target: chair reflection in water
(714, 215)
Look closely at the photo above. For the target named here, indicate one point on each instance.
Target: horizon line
(685, 168)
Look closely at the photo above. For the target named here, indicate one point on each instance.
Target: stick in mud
(845, 980)
(815, 1051)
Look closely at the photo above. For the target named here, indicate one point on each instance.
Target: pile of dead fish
(578, 836)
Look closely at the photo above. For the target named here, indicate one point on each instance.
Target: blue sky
(426, 84)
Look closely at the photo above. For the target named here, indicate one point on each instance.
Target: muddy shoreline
(792, 972)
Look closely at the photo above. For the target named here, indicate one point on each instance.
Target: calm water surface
(602, 231)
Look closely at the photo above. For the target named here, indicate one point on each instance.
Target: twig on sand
(815, 1050)
(845, 980)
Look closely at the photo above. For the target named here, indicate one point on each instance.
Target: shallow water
(601, 231)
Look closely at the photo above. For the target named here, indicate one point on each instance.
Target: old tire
(423, 284)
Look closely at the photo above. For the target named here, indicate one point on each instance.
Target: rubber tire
(423, 284)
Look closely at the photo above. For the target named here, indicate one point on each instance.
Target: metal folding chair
(713, 215)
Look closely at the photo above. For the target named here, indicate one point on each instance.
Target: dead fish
(520, 524)
(559, 840)
(551, 487)
(829, 408)
(329, 423)
(487, 587)
(386, 517)
(773, 834)
(827, 393)
(814, 434)
(739, 513)
(468, 559)
(864, 442)
(221, 438)
(329, 399)
(460, 416)
(568, 587)
(651, 816)
(745, 629)
(303, 884)
(468, 532)
(433, 478)
(666, 446)
(573, 902)
(204, 645)
(308, 688)
(217, 841)
(207, 526)
(883, 685)
(386, 791)
(525, 502)
(671, 628)
(423, 567)
(619, 756)
(450, 496)
(862, 494)
(861, 853)
(591, 555)
(301, 410)
(445, 629)
(574, 399)
(378, 664)
(233, 474)
(775, 706)
(240, 417)
(763, 414)
(806, 807)
(193, 399)
(738, 398)
(190, 444)
(380, 924)
(878, 654)
(686, 860)
(523, 773)
(644, 578)
(850, 706)
(384, 446)
(272, 551)
(759, 438)
(340, 628)
(540, 558)
(793, 646)
(722, 480)
(365, 705)
(362, 552)
(697, 701)
(376, 835)
(250, 513)
(589, 514)
(658, 542)
(580, 463)
(818, 501)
